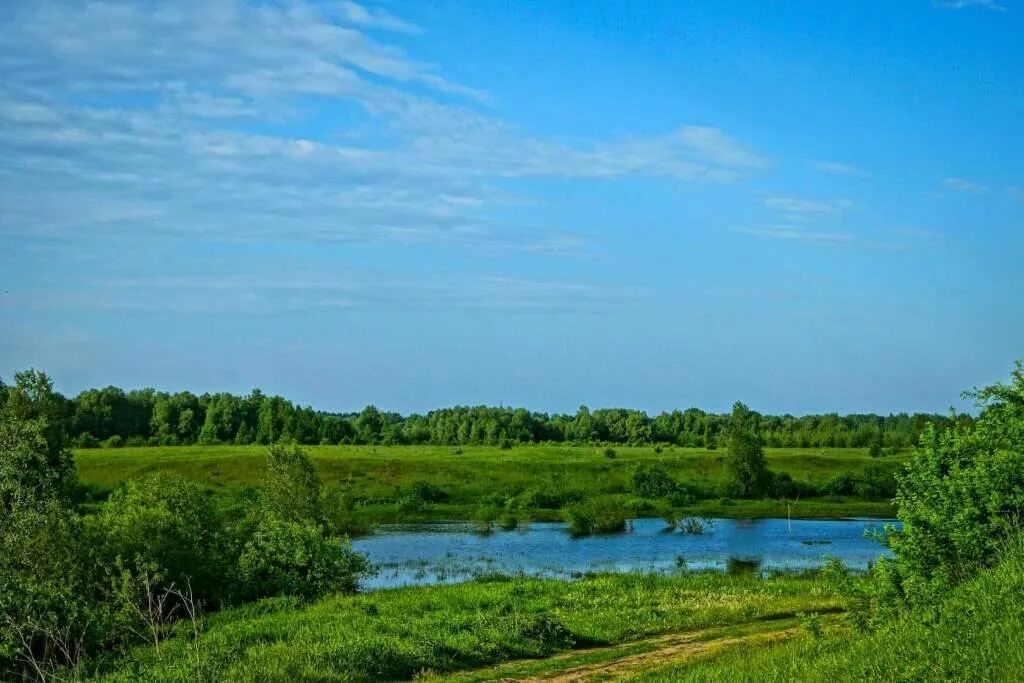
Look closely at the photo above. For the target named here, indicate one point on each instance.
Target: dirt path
(617, 662)
(668, 649)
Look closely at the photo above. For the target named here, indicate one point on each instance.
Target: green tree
(960, 497)
(746, 461)
(292, 488)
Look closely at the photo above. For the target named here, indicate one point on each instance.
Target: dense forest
(113, 417)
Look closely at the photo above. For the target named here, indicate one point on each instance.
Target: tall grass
(396, 634)
(974, 635)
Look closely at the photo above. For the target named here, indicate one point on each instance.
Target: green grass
(975, 636)
(401, 633)
(379, 475)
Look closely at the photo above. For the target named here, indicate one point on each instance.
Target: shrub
(166, 526)
(959, 498)
(610, 453)
(86, 440)
(114, 441)
(596, 516)
(285, 557)
(508, 521)
(652, 481)
(291, 489)
(339, 514)
(483, 520)
(427, 492)
(51, 596)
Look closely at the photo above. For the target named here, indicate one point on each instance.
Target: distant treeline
(114, 417)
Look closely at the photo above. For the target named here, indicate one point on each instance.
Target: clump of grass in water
(484, 522)
(687, 525)
(596, 516)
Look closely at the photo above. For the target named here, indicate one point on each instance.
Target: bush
(652, 481)
(610, 453)
(959, 499)
(427, 492)
(292, 488)
(85, 440)
(597, 516)
(340, 516)
(51, 596)
(285, 557)
(164, 525)
(113, 442)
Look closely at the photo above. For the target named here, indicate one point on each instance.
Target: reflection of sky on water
(432, 553)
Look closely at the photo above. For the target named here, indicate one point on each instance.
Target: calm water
(446, 553)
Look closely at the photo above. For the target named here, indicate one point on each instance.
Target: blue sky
(808, 206)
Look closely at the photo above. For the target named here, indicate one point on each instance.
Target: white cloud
(1017, 193)
(347, 289)
(968, 4)
(961, 185)
(838, 168)
(807, 208)
(361, 15)
(166, 121)
(818, 238)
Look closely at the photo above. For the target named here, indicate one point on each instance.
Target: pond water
(451, 552)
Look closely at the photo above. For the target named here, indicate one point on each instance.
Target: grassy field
(973, 636)
(688, 627)
(468, 628)
(379, 477)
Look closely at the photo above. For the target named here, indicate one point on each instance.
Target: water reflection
(446, 553)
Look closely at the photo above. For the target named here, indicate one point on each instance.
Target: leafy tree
(166, 527)
(746, 462)
(292, 488)
(960, 498)
(285, 557)
(652, 481)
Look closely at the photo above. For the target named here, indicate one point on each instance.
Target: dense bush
(285, 557)
(165, 526)
(960, 498)
(596, 516)
(72, 586)
(652, 481)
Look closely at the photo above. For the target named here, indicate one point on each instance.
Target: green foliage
(166, 526)
(596, 516)
(291, 489)
(652, 481)
(397, 634)
(51, 608)
(160, 418)
(286, 557)
(960, 498)
(747, 464)
(30, 469)
(969, 635)
(35, 461)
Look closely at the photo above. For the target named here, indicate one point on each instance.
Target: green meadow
(462, 479)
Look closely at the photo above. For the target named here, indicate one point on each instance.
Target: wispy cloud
(969, 4)
(819, 238)
(256, 294)
(961, 185)
(839, 168)
(167, 122)
(361, 15)
(807, 208)
(1017, 193)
